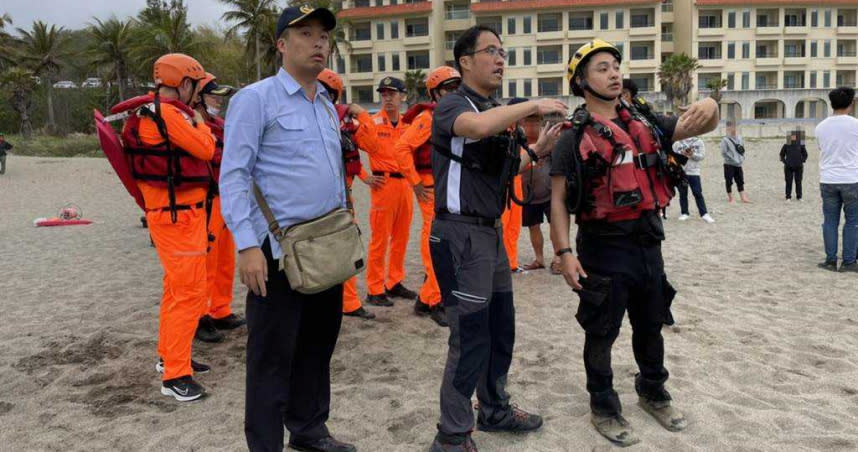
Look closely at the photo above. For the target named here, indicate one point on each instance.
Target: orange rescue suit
(220, 266)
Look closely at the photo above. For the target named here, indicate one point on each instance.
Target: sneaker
(183, 389)
(441, 445)
(206, 331)
(615, 428)
(828, 265)
(683, 217)
(229, 322)
(663, 411)
(360, 313)
(518, 270)
(708, 218)
(400, 291)
(326, 444)
(198, 368)
(439, 315)
(788, 199)
(849, 268)
(514, 420)
(379, 300)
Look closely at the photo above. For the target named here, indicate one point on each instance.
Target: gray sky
(77, 13)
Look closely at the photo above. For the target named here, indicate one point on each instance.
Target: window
(362, 94)
(814, 18)
(731, 50)
(527, 91)
(619, 20)
(548, 23)
(362, 63)
(731, 19)
(666, 6)
(379, 30)
(341, 64)
(394, 30)
(746, 50)
(416, 27)
(361, 32)
(581, 21)
(450, 38)
(709, 19)
(511, 88)
(746, 81)
(642, 82)
(620, 46)
(793, 79)
(527, 57)
(511, 53)
(454, 11)
(731, 80)
(417, 60)
(361, 3)
(381, 63)
(794, 18)
(813, 79)
(603, 21)
(666, 32)
(494, 23)
(395, 62)
(526, 24)
(794, 49)
(549, 54)
(510, 26)
(827, 18)
(746, 19)
(704, 79)
(643, 51)
(641, 18)
(550, 86)
(826, 52)
(709, 51)
(826, 79)
(813, 49)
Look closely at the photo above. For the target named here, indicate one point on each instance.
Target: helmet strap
(586, 86)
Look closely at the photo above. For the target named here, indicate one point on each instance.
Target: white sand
(763, 358)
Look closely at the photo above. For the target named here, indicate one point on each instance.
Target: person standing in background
(694, 149)
(733, 151)
(793, 156)
(4, 146)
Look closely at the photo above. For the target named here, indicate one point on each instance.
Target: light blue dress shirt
(290, 146)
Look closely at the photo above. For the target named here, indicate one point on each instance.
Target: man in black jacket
(4, 146)
(793, 156)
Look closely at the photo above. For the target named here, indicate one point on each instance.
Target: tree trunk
(120, 81)
(20, 105)
(258, 59)
(51, 119)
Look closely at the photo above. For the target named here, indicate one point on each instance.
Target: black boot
(229, 322)
(401, 291)
(207, 332)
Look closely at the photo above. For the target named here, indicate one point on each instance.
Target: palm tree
(162, 29)
(19, 83)
(676, 75)
(415, 84)
(111, 47)
(716, 85)
(43, 51)
(5, 41)
(255, 17)
(338, 34)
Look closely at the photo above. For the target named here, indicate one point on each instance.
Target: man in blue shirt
(282, 135)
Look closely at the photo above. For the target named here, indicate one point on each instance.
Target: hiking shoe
(400, 291)
(360, 313)
(422, 309)
(183, 389)
(198, 368)
(206, 331)
(441, 445)
(379, 300)
(514, 420)
(666, 415)
(708, 218)
(828, 265)
(846, 268)
(615, 428)
(326, 444)
(683, 217)
(229, 322)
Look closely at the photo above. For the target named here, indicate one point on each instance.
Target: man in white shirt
(838, 179)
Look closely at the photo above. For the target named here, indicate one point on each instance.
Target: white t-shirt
(838, 140)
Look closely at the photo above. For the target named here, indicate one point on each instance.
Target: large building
(779, 57)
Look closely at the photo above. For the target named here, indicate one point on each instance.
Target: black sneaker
(143, 222)
(198, 368)
(229, 322)
(446, 443)
(379, 300)
(206, 331)
(327, 444)
(422, 309)
(828, 265)
(439, 315)
(361, 313)
(183, 389)
(514, 420)
(401, 291)
(848, 268)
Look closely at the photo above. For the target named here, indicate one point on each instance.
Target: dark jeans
(290, 340)
(734, 173)
(2, 164)
(632, 279)
(697, 191)
(834, 198)
(791, 174)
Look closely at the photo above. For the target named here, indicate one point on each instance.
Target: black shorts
(532, 214)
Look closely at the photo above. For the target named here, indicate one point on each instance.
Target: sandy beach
(764, 356)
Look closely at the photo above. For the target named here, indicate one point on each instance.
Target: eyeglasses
(492, 51)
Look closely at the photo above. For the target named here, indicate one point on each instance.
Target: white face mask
(212, 111)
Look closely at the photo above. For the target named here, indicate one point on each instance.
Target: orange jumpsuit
(220, 265)
(181, 246)
(418, 134)
(391, 210)
(511, 220)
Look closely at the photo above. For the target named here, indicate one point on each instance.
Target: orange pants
(390, 221)
(429, 293)
(181, 248)
(220, 265)
(511, 220)
(351, 301)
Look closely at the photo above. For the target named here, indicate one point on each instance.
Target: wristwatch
(563, 251)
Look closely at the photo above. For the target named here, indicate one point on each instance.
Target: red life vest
(423, 154)
(161, 165)
(216, 124)
(351, 154)
(633, 182)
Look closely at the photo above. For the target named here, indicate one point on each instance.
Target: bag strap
(336, 124)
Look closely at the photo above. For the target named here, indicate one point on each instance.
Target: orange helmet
(333, 81)
(207, 79)
(172, 68)
(440, 76)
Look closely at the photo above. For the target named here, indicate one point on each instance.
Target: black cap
(295, 14)
(217, 90)
(517, 100)
(392, 83)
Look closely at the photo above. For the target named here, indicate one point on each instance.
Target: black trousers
(791, 174)
(290, 340)
(732, 173)
(623, 276)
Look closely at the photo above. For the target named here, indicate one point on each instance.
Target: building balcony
(549, 68)
(643, 31)
(416, 41)
(770, 30)
(457, 24)
(769, 61)
(667, 17)
(580, 34)
(850, 30)
(643, 64)
(361, 76)
(716, 62)
(550, 35)
(710, 32)
(796, 30)
(358, 45)
(795, 61)
(850, 60)
(667, 46)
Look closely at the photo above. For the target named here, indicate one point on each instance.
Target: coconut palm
(42, 50)
(255, 18)
(716, 85)
(110, 48)
(340, 45)
(161, 29)
(676, 74)
(5, 41)
(19, 84)
(415, 84)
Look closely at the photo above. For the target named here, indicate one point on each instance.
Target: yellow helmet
(580, 57)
